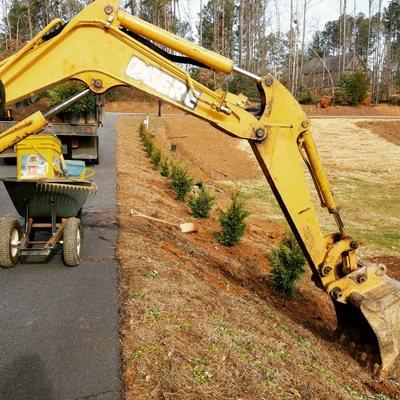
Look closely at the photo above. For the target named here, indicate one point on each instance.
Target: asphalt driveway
(59, 325)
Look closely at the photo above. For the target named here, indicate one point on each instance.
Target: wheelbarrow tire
(72, 242)
(10, 235)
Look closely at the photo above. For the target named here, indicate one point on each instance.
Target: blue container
(75, 168)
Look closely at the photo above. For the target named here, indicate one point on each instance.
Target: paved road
(59, 325)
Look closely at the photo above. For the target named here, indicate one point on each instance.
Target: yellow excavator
(105, 47)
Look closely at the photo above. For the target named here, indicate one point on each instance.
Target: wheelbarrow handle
(155, 219)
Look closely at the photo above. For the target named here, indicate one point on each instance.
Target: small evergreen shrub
(142, 132)
(146, 140)
(182, 182)
(353, 88)
(149, 147)
(164, 167)
(155, 158)
(201, 204)
(288, 266)
(233, 221)
(305, 96)
(111, 95)
(67, 90)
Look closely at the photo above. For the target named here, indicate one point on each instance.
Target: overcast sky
(321, 12)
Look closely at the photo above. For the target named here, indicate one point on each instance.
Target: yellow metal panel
(23, 129)
(280, 159)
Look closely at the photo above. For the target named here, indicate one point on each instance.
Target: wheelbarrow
(51, 205)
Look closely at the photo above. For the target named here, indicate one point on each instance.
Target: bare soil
(389, 130)
(200, 321)
(377, 110)
(129, 100)
(215, 155)
(133, 101)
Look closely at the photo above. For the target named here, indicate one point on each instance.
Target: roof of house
(332, 63)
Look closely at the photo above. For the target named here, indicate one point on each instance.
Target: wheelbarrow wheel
(10, 236)
(72, 242)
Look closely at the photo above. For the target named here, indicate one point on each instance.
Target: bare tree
(370, 3)
(340, 35)
(354, 34)
(344, 35)
(291, 46)
(377, 55)
(29, 13)
(201, 24)
(7, 34)
(307, 4)
(241, 23)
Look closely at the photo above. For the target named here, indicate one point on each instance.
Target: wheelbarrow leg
(26, 222)
(27, 227)
(53, 216)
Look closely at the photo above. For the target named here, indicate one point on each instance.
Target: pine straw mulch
(199, 321)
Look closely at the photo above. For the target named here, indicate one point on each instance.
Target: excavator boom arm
(105, 47)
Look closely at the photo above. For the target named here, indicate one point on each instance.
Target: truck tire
(72, 242)
(10, 236)
(96, 161)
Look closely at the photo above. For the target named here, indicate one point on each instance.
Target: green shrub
(233, 221)
(182, 182)
(148, 145)
(65, 91)
(241, 84)
(353, 88)
(305, 96)
(111, 95)
(164, 167)
(146, 140)
(155, 158)
(288, 266)
(201, 204)
(143, 133)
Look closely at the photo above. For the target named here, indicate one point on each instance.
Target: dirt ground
(128, 100)
(364, 171)
(149, 105)
(200, 321)
(377, 110)
(389, 130)
(133, 101)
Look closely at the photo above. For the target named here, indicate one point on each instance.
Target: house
(322, 72)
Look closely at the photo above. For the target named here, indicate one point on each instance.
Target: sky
(321, 12)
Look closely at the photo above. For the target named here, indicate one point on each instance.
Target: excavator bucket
(370, 325)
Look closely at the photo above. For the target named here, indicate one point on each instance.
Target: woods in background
(257, 36)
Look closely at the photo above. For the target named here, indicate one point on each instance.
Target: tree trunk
(377, 56)
(29, 12)
(344, 47)
(201, 24)
(340, 36)
(290, 63)
(241, 22)
(354, 36)
(303, 41)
